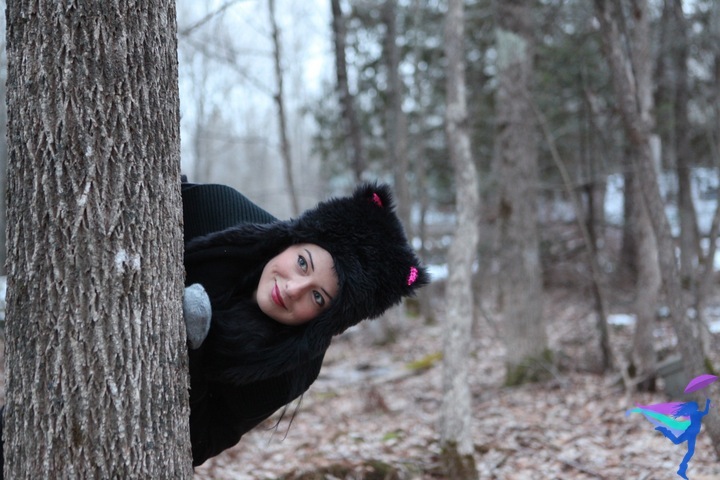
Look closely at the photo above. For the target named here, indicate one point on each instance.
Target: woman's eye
(319, 299)
(302, 262)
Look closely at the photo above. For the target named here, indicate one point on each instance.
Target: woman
(276, 293)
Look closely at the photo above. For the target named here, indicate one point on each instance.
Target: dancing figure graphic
(679, 421)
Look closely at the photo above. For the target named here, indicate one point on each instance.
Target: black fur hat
(375, 265)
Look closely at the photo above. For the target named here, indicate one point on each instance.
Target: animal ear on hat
(378, 194)
(413, 275)
(376, 200)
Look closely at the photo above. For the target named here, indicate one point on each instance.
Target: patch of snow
(705, 245)
(438, 272)
(705, 193)
(122, 259)
(614, 199)
(621, 319)
(712, 316)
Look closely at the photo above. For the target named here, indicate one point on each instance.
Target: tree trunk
(279, 98)
(706, 268)
(353, 133)
(648, 279)
(647, 290)
(97, 383)
(396, 124)
(3, 156)
(628, 249)
(587, 228)
(673, 90)
(516, 170)
(637, 125)
(201, 153)
(420, 147)
(456, 412)
(3, 183)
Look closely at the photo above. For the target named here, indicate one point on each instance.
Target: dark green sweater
(211, 208)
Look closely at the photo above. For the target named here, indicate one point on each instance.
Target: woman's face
(297, 285)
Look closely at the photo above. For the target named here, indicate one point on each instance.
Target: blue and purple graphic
(679, 421)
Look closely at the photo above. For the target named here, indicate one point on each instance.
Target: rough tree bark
(456, 411)
(637, 127)
(3, 154)
(517, 177)
(96, 358)
(353, 133)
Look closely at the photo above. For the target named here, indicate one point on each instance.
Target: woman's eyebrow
(311, 259)
(313, 268)
(326, 293)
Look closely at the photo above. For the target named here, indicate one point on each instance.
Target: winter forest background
(586, 295)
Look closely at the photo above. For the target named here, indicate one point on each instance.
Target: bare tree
(648, 280)
(647, 285)
(96, 357)
(347, 102)
(420, 143)
(673, 89)
(706, 268)
(517, 179)
(202, 165)
(622, 57)
(456, 433)
(396, 120)
(279, 98)
(586, 227)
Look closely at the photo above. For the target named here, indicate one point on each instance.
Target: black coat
(223, 408)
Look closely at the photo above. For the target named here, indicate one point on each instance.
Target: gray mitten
(197, 313)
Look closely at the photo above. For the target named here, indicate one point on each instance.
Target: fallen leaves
(369, 409)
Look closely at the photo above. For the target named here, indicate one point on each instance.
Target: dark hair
(241, 333)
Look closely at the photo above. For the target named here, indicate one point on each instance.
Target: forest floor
(374, 413)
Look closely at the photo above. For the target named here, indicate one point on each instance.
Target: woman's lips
(277, 298)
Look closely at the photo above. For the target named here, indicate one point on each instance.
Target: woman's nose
(296, 287)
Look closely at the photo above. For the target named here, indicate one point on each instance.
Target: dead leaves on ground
(380, 422)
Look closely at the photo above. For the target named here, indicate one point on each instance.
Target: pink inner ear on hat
(376, 199)
(412, 276)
